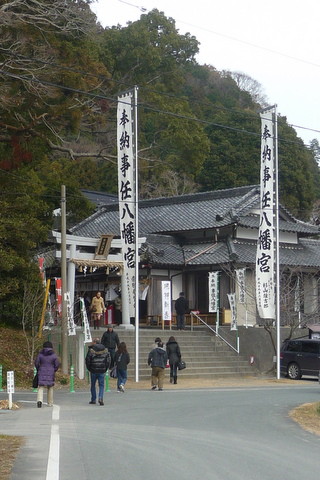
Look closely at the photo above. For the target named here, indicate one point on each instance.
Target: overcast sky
(276, 42)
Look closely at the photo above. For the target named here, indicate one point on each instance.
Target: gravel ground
(187, 383)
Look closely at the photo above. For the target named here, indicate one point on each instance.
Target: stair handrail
(236, 349)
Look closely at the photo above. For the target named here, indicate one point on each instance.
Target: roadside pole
(10, 387)
(64, 320)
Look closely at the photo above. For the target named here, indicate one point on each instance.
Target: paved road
(218, 434)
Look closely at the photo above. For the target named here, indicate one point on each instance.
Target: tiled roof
(306, 254)
(204, 254)
(185, 213)
(163, 250)
(252, 221)
(100, 198)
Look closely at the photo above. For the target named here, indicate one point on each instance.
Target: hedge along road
(217, 433)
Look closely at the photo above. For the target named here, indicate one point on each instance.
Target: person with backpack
(97, 362)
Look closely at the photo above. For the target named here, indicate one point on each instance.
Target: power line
(144, 106)
(230, 37)
(31, 183)
(144, 88)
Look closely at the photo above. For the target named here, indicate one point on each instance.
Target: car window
(310, 347)
(293, 347)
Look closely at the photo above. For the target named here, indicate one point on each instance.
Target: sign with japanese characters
(10, 382)
(240, 276)
(85, 322)
(103, 248)
(166, 299)
(71, 324)
(213, 291)
(233, 308)
(265, 288)
(126, 189)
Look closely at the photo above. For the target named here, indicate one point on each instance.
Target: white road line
(55, 413)
(54, 449)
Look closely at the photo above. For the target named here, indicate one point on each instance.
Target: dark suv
(300, 357)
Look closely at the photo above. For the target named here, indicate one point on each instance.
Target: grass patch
(14, 356)
(308, 417)
(9, 447)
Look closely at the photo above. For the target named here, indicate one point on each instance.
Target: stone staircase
(206, 355)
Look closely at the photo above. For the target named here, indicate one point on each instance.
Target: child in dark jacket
(121, 360)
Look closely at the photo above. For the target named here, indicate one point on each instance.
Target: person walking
(97, 310)
(121, 360)
(181, 306)
(174, 356)
(157, 359)
(97, 362)
(156, 341)
(118, 310)
(110, 340)
(46, 363)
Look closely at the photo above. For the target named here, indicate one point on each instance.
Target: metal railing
(215, 332)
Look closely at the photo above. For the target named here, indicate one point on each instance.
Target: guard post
(71, 379)
(107, 389)
(34, 373)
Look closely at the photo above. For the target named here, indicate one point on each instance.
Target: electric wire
(144, 88)
(230, 37)
(144, 106)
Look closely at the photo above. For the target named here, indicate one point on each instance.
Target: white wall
(252, 234)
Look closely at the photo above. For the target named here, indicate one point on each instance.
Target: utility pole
(64, 318)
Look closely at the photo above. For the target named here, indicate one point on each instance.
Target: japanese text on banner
(265, 294)
(126, 187)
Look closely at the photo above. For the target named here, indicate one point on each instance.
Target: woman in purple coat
(47, 364)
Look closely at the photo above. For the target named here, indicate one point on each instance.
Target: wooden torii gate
(76, 258)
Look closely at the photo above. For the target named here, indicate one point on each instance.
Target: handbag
(182, 365)
(113, 372)
(35, 381)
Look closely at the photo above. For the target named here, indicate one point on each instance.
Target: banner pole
(137, 323)
(277, 256)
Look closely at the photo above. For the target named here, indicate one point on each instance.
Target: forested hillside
(61, 72)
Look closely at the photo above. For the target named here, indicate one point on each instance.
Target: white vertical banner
(127, 193)
(166, 299)
(241, 282)
(85, 321)
(213, 291)
(71, 324)
(265, 285)
(233, 308)
(297, 294)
